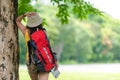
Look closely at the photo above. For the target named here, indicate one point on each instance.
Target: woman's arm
(19, 24)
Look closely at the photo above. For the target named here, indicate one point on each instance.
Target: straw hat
(33, 19)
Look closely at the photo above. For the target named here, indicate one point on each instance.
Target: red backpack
(42, 55)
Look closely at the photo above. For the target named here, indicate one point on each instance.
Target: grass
(23, 74)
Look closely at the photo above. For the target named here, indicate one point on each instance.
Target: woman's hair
(33, 29)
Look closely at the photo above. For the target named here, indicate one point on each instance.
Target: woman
(34, 22)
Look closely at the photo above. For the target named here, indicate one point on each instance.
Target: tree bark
(9, 55)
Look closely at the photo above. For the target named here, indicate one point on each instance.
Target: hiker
(34, 23)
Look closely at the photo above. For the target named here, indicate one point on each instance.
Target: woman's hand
(28, 14)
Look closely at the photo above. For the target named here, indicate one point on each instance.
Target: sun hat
(33, 20)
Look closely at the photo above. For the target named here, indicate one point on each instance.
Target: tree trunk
(9, 56)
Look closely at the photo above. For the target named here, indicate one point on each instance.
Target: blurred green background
(78, 41)
(92, 40)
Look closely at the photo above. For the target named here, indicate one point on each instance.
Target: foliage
(80, 8)
(25, 6)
